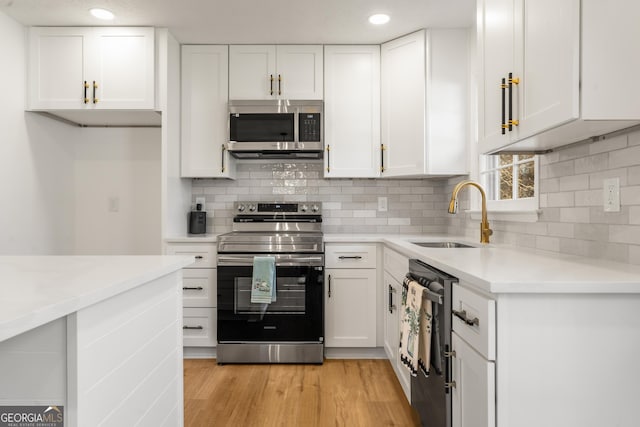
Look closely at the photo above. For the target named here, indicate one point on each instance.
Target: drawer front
(199, 287)
(199, 327)
(396, 264)
(204, 253)
(474, 320)
(350, 256)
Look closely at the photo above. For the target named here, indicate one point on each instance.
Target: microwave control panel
(309, 127)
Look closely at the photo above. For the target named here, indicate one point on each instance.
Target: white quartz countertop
(35, 290)
(506, 269)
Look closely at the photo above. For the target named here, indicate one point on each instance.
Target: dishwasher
(431, 396)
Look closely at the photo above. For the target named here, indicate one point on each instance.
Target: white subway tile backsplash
(608, 144)
(625, 158)
(580, 215)
(349, 205)
(577, 173)
(629, 234)
(572, 219)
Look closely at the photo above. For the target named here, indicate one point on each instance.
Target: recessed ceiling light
(102, 14)
(379, 19)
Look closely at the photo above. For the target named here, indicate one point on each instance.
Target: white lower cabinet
(396, 267)
(473, 397)
(199, 293)
(473, 346)
(350, 295)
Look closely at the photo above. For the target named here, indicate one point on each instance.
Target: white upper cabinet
(561, 64)
(204, 112)
(352, 111)
(72, 68)
(275, 72)
(425, 104)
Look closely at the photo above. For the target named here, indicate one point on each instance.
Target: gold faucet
(485, 231)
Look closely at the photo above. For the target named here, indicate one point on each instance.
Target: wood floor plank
(350, 393)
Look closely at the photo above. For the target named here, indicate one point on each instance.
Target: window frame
(521, 210)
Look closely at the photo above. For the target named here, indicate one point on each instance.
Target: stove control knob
(252, 208)
(315, 208)
(241, 208)
(304, 208)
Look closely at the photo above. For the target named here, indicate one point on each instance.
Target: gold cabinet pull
(222, 169)
(271, 84)
(503, 124)
(328, 159)
(382, 148)
(95, 86)
(86, 86)
(279, 84)
(511, 121)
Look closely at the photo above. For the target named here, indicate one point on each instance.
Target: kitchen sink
(442, 245)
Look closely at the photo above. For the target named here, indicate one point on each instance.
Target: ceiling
(254, 21)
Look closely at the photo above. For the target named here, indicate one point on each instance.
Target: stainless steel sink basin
(442, 245)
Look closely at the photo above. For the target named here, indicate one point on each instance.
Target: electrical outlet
(201, 201)
(113, 204)
(382, 204)
(611, 195)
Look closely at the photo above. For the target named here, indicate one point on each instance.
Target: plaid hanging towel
(415, 328)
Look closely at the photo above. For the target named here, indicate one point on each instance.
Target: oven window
(272, 127)
(290, 297)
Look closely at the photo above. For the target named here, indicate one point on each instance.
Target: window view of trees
(510, 176)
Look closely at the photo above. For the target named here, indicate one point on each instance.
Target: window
(510, 181)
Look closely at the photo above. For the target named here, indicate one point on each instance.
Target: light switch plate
(382, 204)
(611, 195)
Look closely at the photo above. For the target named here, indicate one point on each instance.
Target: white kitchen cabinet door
(124, 68)
(350, 307)
(473, 396)
(299, 71)
(566, 64)
(275, 72)
(352, 111)
(77, 68)
(392, 305)
(204, 112)
(425, 104)
(403, 105)
(252, 72)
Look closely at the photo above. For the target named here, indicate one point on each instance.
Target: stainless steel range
(290, 329)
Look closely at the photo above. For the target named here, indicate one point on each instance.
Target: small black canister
(198, 221)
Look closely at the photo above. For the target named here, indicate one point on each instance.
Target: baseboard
(354, 353)
(198, 352)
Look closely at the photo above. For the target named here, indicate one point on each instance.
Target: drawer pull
(350, 257)
(196, 288)
(199, 257)
(193, 327)
(462, 315)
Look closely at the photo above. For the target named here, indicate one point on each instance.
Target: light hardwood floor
(336, 393)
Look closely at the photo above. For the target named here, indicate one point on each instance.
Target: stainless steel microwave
(276, 129)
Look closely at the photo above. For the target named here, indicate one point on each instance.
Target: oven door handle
(283, 260)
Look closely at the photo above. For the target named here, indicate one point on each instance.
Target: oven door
(297, 315)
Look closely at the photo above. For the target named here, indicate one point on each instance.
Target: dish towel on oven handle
(415, 328)
(263, 281)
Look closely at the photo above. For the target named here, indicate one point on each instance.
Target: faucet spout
(485, 231)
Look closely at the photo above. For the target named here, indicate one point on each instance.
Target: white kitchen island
(99, 335)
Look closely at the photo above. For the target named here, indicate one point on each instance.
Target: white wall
(117, 190)
(36, 163)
